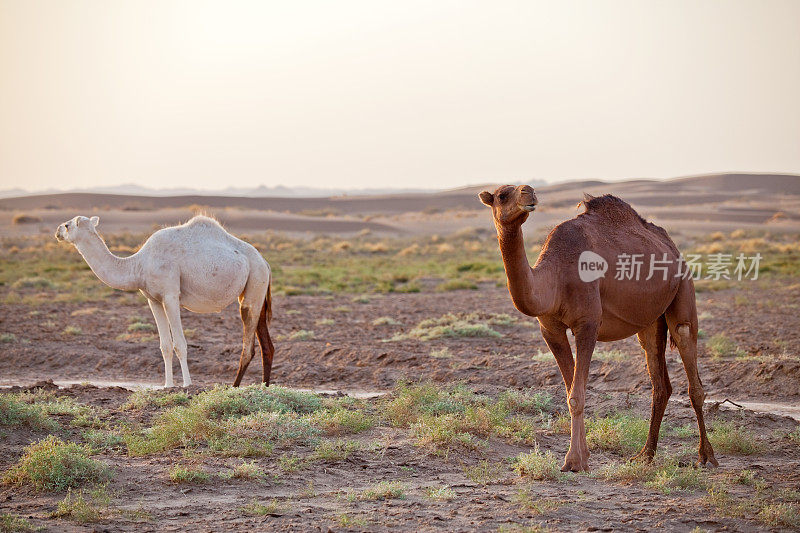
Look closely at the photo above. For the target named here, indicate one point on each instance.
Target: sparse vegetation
(14, 412)
(22, 218)
(386, 321)
(620, 433)
(485, 472)
(456, 285)
(185, 474)
(385, 490)
(450, 325)
(733, 438)
(332, 451)
(538, 465)
(348, 521)
(247, 470)
(10, 523)
(442, 353)
(536, 506)
(84, 506)
(300, 335)
(255, 508)
(443, 493)
(721, 345)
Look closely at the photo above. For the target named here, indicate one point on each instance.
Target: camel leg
(654, 342)
(249, 323)
(577, 458)
(267, 348)
(559, 345)
(682, 323)
(165, 338)
(172, 308)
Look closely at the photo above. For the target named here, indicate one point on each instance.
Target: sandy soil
(352, 353)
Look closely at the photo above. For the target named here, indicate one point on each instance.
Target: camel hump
(203, 220)
(611, 206)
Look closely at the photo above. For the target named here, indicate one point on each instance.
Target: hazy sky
(393, 94)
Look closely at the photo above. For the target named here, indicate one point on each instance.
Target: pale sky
(398, 93)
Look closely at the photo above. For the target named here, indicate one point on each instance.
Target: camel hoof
(644, 456)
(574, 465)
(709, 462)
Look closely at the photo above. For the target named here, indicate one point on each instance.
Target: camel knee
(682, 337)
(181, 348)
(576, 405)
(697, 395)
(662, 389)
(166, 350)
(662, 393)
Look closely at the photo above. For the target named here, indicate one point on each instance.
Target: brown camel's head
(510, 205)
(73, 229)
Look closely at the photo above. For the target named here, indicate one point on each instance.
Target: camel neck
(531, 289)
(116, 272)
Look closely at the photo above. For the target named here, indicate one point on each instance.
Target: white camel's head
(73, 230)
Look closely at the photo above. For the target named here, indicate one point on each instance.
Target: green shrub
(247, 470)
(16, 413)
(182, 474)
(340, 421)
(11, 524)
(538, 465)
(84, 506)
(334, 450)
(722, 346)
(450, 325)
(732, 438)
(54, 465)
(527, 401)
(243, 421)
(385, 490)
(261, 509)
(621, 433)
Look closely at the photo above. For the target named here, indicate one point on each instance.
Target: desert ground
(407, 392)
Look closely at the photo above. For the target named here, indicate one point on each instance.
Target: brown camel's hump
(610, 206)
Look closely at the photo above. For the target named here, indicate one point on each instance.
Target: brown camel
(602, 308)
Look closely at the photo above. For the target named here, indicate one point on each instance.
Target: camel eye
(503, 196)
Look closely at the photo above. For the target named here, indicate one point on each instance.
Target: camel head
(510, 205)
(72, 230)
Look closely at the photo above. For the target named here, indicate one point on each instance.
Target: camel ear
(95, 221)
(587, 197)
(487, 198)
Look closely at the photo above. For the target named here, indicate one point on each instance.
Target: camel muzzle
(528, 208)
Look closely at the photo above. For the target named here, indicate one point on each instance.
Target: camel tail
(672, 344)
(266, 311)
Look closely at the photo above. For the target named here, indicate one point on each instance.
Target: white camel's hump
(203, 220)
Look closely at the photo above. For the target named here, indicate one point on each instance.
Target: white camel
(197, 265)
